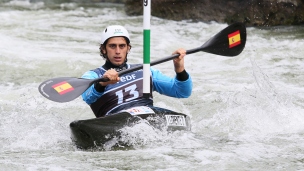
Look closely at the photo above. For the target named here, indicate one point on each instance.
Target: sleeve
(171, 86)
(91, 94)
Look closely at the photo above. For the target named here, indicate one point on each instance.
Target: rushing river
(247, 112)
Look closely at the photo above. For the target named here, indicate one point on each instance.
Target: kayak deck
(92, 133)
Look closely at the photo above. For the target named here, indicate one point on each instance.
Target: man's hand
(112, 75)
(179, 61)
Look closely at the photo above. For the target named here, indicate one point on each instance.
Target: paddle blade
(229, 42)
(64, 89)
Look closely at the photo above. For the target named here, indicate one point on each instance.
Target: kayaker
(124, 92)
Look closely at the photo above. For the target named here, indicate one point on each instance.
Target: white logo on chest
(127, 78)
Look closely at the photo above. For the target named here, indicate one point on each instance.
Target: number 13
(132, 92)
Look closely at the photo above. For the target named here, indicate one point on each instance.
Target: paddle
(229, 42)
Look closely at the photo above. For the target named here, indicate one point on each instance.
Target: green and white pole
(146, 61)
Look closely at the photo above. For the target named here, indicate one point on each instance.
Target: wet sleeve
(171, 86)
(91, 94)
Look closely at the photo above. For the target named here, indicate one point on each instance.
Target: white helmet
(114, 31)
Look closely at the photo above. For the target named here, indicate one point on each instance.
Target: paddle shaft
(162, 60)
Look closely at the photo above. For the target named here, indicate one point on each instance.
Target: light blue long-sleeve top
(161, 83)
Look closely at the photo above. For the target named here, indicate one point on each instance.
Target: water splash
(143, 135)
(256, 112)
(29, 124)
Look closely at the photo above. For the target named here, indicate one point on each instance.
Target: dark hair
(103, 46)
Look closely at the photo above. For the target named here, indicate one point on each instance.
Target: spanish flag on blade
(234, 39)
(63, 87)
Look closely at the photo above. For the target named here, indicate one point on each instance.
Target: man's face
(116, 50)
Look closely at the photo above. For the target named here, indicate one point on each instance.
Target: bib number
(131, 91)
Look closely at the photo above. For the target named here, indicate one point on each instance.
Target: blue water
(246, 111)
